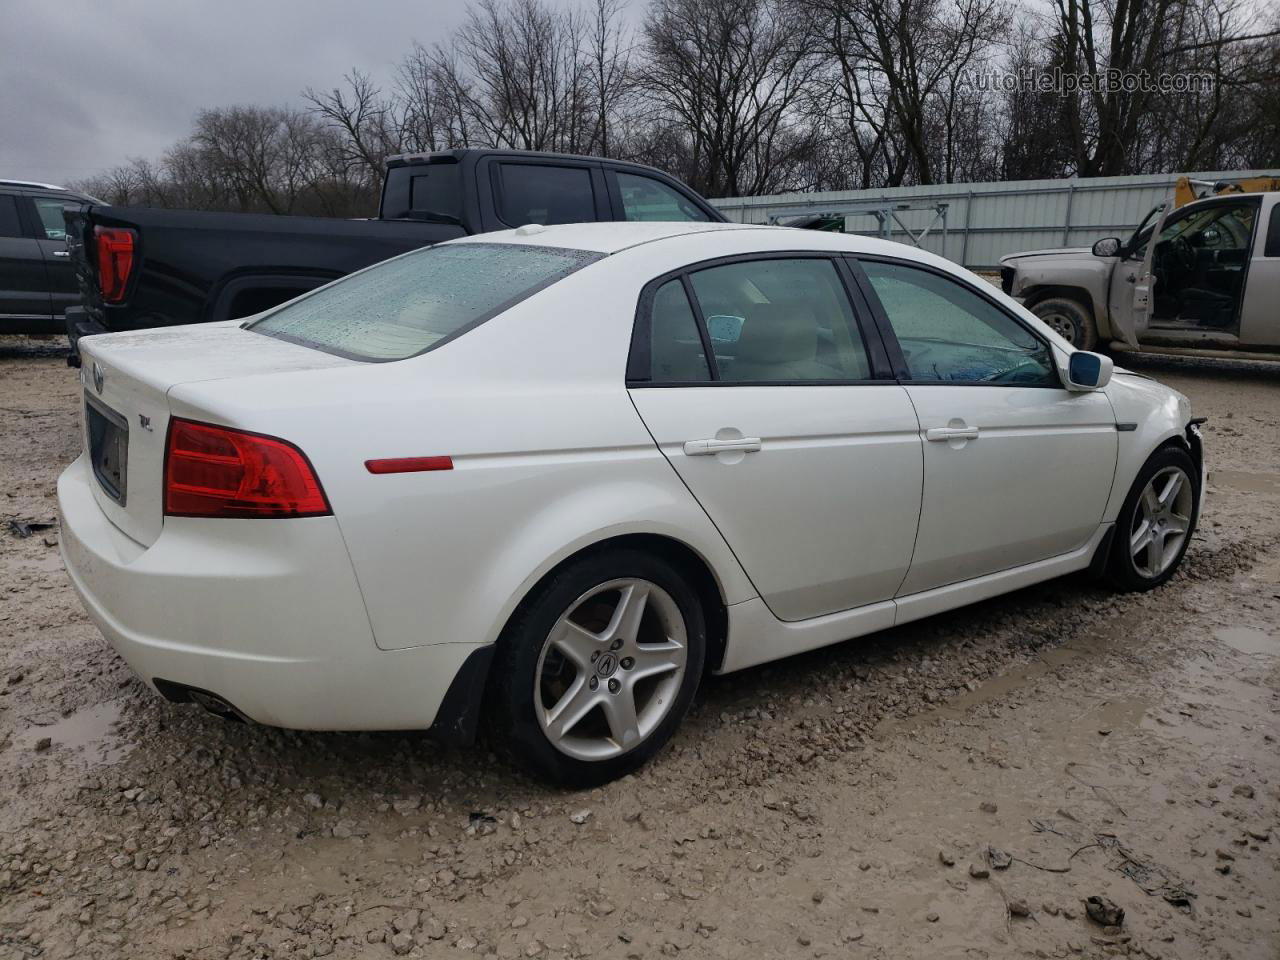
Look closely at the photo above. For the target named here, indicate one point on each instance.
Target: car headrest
(777, 333)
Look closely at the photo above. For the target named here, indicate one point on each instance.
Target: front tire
(1156, 523)
(597, 669)
(1070, 319)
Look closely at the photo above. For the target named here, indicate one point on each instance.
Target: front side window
(408, 305)
(780, 320)
(949, 333)
(644, 198)
(537, 193)
(1217, 228)
(1273, 233)
(51, 221)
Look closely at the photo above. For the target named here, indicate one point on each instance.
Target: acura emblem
(98, 377)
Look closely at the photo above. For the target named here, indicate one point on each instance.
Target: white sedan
(545, 479)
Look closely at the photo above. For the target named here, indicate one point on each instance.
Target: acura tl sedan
(543, 480)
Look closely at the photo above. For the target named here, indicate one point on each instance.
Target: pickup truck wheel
(1070, 319)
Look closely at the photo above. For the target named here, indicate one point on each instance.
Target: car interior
(1199, 264)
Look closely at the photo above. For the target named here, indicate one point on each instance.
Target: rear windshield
(413, 303)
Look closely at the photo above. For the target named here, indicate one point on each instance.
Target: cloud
(87, 84)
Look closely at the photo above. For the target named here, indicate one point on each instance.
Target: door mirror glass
(1088, 371)
(1107, 247)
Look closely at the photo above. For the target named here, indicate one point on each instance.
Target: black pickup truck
(36, 280)
(138, 267)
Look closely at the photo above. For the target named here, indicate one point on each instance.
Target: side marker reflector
(409, 464)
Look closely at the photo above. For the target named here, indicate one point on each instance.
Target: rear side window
(536, 193)
(644, 198)
(406, 306)
(10, 225)
(780, 320)
(1273, 233)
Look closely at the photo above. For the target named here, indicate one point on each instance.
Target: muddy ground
(953, 788)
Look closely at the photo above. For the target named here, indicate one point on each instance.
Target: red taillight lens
(115, 261)
(214, 471)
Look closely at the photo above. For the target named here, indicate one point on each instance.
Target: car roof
(32, 185)
(610, 237)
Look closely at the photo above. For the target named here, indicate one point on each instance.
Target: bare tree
(725, 77)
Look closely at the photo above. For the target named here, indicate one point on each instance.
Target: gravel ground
(954, 788)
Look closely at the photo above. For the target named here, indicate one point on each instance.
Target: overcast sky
(87, 84)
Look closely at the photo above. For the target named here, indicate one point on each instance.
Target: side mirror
(1107, 247)
(1088, 371)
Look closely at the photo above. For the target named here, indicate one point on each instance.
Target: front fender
(1088, 280)
(1148, 415)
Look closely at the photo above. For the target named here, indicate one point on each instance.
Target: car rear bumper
(265, 615)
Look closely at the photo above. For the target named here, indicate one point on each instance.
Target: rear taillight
(212, 471)
(115, 261)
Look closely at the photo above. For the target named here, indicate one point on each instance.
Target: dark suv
(37, 282)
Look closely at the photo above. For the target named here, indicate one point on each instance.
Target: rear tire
(598, 667)
(1156, 522)
(1070, 319)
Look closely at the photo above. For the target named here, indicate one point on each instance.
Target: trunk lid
(125, 411)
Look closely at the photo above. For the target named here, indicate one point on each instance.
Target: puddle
(1249, 640)
(1248, 482)
(89, 734)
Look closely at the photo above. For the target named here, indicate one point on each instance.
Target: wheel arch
(1081, 295)
(459, 717)
(695, 567)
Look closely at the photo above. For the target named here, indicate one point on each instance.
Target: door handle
(61, 253)
(707, 448)
(937, 434)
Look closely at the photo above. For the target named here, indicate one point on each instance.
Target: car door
(1129, 295)
(51, 236)
(1016, 468)
(767, 396)
(24, 285)
(1259, 318)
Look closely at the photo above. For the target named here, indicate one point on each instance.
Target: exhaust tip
(211, 702)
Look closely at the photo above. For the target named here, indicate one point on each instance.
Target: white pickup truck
(1202, 279)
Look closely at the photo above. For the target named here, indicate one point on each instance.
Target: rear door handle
(707, 448)
(937, 434)
(61, 253)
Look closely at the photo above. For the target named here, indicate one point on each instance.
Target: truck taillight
(212, 471)
(115, 260)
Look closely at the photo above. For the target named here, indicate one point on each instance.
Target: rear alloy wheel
(599, 669)
(1070, 320)
(1156, 522)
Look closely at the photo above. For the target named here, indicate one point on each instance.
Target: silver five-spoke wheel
(1161, 522)
(610, 669)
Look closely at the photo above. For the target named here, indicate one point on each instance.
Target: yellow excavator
(1186, 190)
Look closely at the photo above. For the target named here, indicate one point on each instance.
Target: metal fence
(975, 224)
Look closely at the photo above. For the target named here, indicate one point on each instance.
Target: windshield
(406, 306)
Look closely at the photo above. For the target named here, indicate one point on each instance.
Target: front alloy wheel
(1156, 522)
(1162, 522)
